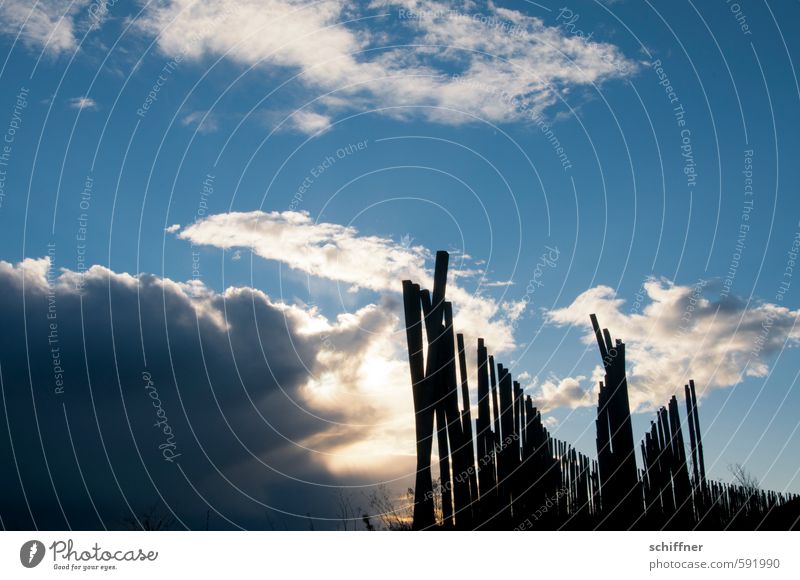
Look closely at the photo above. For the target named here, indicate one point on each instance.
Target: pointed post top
(601, 344)
(440, 277)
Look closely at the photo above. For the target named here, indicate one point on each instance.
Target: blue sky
(620, 134)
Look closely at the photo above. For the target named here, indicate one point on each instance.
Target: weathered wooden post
(700, 459)
(423, 408)
(485, 435)
(466, 426)
(435, 377)
(619, 478)
(495, 406)
(680, 474)
(506, 457)
(459, 445)
(692, 437)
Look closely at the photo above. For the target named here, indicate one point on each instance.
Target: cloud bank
(450, 58)
(263, 407)
(448, 62)
(341, 254)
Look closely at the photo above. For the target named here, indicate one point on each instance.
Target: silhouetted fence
(509, 473)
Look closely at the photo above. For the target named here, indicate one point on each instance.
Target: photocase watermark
(84, 203)
(567, 20)
(610, 357)
(206, 191)
(320, 168)
(783, 288)
(740, 16)
(689, 164)
(791, 262)
(9, 137)
(31, 553)
(168, 447)
(98, 10)
(505, 26)
(53, 341)
(691, 306)
(744, 225)
(548, 259)
(524, 108)
(94, 558)
(679, 113)
(163, 76)
(482, 462)
(638, 298)
(172, 64)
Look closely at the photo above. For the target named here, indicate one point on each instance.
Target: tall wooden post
(462, 499)
(692, 438)
(435, 377)
(619, 475)
(495, 406)
(485, 436)
(507, 464)
(700, 459)
(680, 475)
(423, 409)
(466, 425)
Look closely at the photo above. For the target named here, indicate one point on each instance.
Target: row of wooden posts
(505, 471)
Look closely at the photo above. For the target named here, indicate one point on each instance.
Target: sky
(207, 210)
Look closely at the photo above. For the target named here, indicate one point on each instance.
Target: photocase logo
(31, 553)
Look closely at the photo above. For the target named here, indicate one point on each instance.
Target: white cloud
(82, 103)
(339, 253)
(309, 122)
(550, 422)
(682, 333)
(454, 58)
(46, 24)
(172, 229)
(566, 392)
(325, 250)
(509, 66)
(202, 121)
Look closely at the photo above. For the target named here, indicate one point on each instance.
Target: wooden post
(506, 463)
(462, 500)
(423, 408)
(700, 459)
(618, 472)
(692, 438)
(466, 425)
(495, 406)
(520, 466)
(680, 476)
(435, 380)
(485, 438)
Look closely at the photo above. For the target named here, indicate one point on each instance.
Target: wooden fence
(505, 471)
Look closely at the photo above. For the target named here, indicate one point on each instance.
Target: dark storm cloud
(123, 391)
